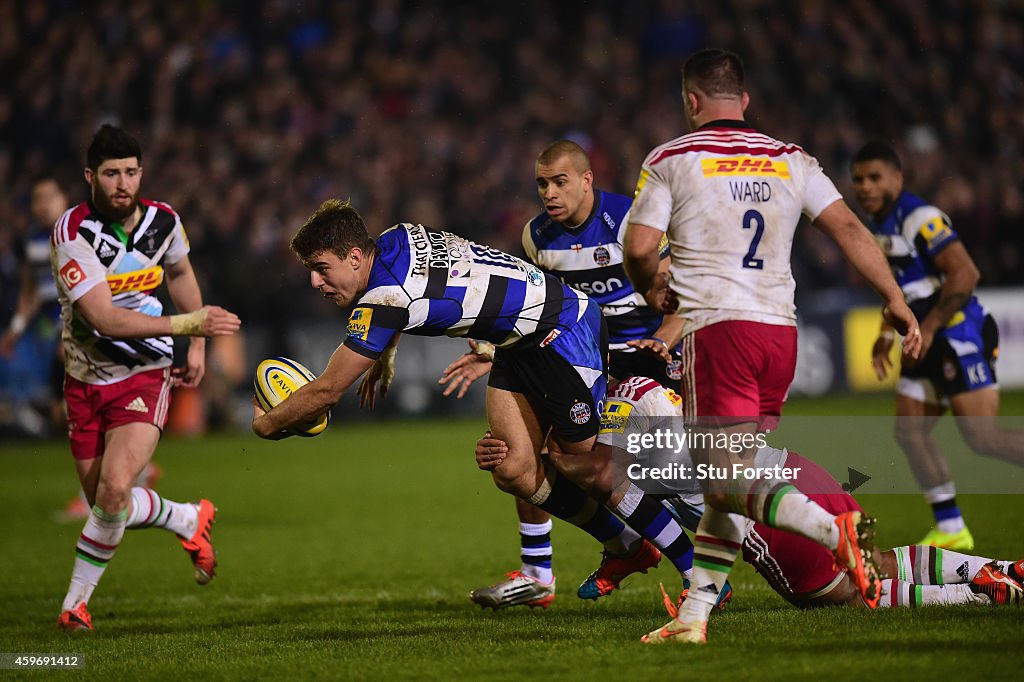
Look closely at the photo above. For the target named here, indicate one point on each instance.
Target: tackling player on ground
(801, 571)
(578, 238)
(960, 340)
(108, 255)
(730, 199)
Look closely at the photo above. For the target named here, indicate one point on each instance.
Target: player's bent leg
(976, 413)
(512, 419)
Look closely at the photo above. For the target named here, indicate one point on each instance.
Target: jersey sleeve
(819, 190)
(78, 268)
(371, 327)
(620, 236)
(652, 199)
(930, 231)
(179, 247)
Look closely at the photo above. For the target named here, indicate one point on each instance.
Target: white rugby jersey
(639, 406)
(730, 199)
(89, 250)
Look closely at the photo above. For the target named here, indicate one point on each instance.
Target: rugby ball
(276, 379)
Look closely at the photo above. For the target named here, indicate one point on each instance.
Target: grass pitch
(350, 556)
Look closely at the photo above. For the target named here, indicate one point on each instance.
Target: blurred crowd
(252, 112)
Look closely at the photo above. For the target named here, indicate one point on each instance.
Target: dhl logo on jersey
(359, 323)
(744, 165)
(136, 280)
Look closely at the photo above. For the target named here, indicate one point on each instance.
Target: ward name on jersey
(89, 250)
(589, 258)
(730, 199)
(429, 282)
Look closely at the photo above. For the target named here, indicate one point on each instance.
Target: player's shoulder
(66, 228)
(634, 388)
(162, 207)
(726, 139)
(541, 230)
(616, 205)
(911, 210)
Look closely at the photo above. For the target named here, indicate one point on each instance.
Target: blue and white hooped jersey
(589, 259)
(911, 235)
(428, 282)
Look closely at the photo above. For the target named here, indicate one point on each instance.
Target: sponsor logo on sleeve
(614, 416)
(71, 274)
(359, 323)
(644, 174)
(935, 232)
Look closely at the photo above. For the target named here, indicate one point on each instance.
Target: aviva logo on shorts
(744, 165)
(614, 416)
(359, 323)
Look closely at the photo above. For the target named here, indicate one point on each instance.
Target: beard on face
(107, 208)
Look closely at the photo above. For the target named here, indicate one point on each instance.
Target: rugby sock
(898, 593)
(535, 550)
(947, 514)
(718, 540)
(150, 510)
(648, 517)
(927, 565)
(96, 545)
(564, 499)
(778, 504)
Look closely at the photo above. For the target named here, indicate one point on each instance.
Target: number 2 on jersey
(753, 219)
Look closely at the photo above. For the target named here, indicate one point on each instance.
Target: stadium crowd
(251, 113)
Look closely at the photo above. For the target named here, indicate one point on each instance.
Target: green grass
(350, 556)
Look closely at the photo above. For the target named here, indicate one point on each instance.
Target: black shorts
(555, 390)
(642, 363)
(953, 372)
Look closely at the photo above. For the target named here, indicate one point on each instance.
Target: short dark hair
(560, 148)
(111, 142)
(334, 227)
(715, 72)
(876, 150)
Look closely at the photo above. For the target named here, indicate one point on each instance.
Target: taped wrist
(189, 324)
(486, 349)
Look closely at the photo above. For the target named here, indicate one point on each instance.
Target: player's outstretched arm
(863, 252)
(184, 292)
(120, 323)
(468, 368)
(315, 398)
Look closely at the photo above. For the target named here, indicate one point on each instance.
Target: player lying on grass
(800, 570)
(549, 369)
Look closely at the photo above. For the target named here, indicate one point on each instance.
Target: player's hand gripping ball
(275, 380)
